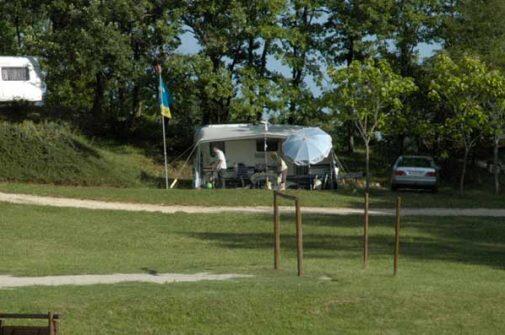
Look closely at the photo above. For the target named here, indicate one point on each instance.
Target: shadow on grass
(446, 197)
(464, 240)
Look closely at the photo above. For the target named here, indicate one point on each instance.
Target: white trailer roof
(18, 61)
(228, 132)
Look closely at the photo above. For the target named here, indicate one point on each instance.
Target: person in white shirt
(220, 166)
(282, 170)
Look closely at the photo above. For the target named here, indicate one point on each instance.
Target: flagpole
(165, 151)
(158, 69)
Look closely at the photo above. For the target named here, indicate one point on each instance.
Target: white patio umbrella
(307, 146)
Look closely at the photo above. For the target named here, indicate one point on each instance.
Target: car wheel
(394, 187)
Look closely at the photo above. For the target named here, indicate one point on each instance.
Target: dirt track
(134, 207)
(162, 278)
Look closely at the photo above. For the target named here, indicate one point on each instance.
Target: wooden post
(299, 238)
(277, 231)
(277, 234)
(51, 324)
(365, 234)
(397, 234)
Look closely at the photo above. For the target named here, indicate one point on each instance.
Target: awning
(228, 132)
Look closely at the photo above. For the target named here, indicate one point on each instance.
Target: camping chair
(50, 329)
(241, 174)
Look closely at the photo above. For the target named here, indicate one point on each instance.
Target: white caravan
(244, 148)
(21, 80)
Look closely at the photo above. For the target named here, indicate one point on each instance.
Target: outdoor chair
(240, 175)
(50, 329)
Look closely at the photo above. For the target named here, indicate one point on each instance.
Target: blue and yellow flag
(165, 99)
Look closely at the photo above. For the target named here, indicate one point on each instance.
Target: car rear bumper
(414, 181)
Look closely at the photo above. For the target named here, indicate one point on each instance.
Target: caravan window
(272, 145)
(15, 74)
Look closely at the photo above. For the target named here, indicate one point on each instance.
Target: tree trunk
(401, 144)
(264, 54)
(463, 173)
(350, 126)
(250, 51)
(18, 32)
(367, 165)
(134, 113)
(350, 52)
(350, 138)
(496, 165)
(96, 110)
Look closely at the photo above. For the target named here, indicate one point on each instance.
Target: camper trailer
(21, 80)
(247, 148)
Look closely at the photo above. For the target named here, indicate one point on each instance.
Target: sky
(189, 45)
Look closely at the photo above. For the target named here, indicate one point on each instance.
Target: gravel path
(121, 206)
(164, 278)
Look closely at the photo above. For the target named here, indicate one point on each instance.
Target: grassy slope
(234, 197)
(451, 276)
(52, 153)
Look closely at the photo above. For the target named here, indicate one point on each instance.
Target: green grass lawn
(447, 197)
(451, 277)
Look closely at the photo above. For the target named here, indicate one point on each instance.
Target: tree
(236, 38)
(477, 27)
(493, 100)
(413, 22)
(354, 30)
(99, 56)
(7, 31)
(257, 95)
(20, 20)
(366, 93)
(458, 88)
(299, 49)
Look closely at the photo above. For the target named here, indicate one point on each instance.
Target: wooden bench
(50, 329)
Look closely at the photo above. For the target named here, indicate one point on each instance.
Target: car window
(415, 162)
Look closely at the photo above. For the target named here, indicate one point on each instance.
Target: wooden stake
(52, 330)
(277, 231)
(299, 238)
(365, 234)
(397, 234)
(277, 234)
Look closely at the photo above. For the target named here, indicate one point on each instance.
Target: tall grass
(53, 153)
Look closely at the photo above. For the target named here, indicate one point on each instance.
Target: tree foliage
(476, 27)
(366, 93)
(459, 87)
(492, 87)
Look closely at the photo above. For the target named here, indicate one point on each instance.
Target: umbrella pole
(310, 178)
(266, 161)
(265, 148)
